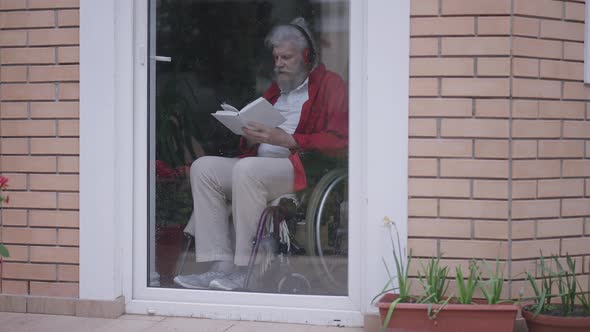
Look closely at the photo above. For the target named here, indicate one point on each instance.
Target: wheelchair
(311, 225)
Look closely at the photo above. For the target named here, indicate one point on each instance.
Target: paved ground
(14, 322)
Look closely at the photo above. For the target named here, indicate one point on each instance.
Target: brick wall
(499, 132)
(39, 145)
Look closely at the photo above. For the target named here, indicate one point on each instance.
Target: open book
(260, 110)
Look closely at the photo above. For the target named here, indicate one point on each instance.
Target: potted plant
(572, 313)
(433, 309)
(3, 199)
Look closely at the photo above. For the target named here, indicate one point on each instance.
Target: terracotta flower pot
(546, 323)
(452, 318)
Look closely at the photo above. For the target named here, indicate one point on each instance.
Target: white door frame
(112, 180)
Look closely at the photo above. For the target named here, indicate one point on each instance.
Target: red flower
(7, 199)
(164, 171)
(3, 182)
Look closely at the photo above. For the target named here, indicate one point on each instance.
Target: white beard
(289, 84)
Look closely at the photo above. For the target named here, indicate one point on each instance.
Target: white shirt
(289, 104)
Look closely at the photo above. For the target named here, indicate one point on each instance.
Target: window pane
(267, 208)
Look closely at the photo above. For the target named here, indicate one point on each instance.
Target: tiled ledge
(62, 306)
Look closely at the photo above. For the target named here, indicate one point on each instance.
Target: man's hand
(259, 133)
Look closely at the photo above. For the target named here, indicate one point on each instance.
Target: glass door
(265, 211)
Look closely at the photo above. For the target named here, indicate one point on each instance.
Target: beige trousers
(249, 184)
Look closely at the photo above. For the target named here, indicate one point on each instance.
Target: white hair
(287, 32)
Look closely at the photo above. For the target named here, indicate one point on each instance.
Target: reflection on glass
(266, 211)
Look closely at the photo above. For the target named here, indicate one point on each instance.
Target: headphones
(309, 53)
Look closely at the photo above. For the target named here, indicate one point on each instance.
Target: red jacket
(323, 125)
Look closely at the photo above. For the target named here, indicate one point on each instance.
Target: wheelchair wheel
(327, 230)
(293, 283)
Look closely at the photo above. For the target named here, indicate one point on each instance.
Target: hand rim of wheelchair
(315, 209)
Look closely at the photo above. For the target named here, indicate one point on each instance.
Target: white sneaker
(233, 281)
(198, 281)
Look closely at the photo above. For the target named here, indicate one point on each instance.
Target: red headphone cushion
(307, 55)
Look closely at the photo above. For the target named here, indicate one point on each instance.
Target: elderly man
(315, 103)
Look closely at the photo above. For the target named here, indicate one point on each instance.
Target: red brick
(54, 255)
(442, 26)
(449, 228)
(68, 237)
(15, 145)
(14, 217)
(69, 54)
(68, 164)
(576, 129)
(559, 227)
(574, 11)
(575, 246)
(423, 87)
(474, 128)
(473, 249)
(536, 88)
(66, 109)
(536, 129)
(17, 253)
(421, 207)
(575, 207)
(28, 164)
(526, 26)
(440, 148)
(492, 108)
(13, 74)
(459, 208)
(543, 8)
(54, 289)
(524, 67)
(28, 19)
(68, 18)
(441, 67)
(27, 128)
(12, 4)
(493, 25)
(29, 271)
(422, 128)
(531, 249)
(531, 169)
(54, 73)
(561, 110)
(49, 218)
(13, 38)
(562, 70)
(61, 182)
(14, 110)
(422, 167)
(70, 201)
(524, 189)
(42, 200)
(466, 168)
(422, 247)
(490, 189)
(475, 46)
(491, 149)
(68, 128)
(525, 108)
(68, 273)
(423, 46)
(537, 48)
(28, 92)
(55, 146)
(28, 56)
(573, 51)
(573, 31)
(447, 107)
(496, 230)
(493, 67)
(476, 7)
(561, 149)
(15, 287)
(28, 236)
(575, 90)
(530, 209)
(576, 168)
(524, 149)
(17, 181)
(438, 188)
(64, 36)
(483, 87)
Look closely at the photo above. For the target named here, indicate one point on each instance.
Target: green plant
(465, 289)
(3, 199)
(433, 278)
(492, 287)
(563, 279)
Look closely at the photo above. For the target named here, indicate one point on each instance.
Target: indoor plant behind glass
(560, 303)
(433, 309)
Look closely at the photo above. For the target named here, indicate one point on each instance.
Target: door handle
(162, 58)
